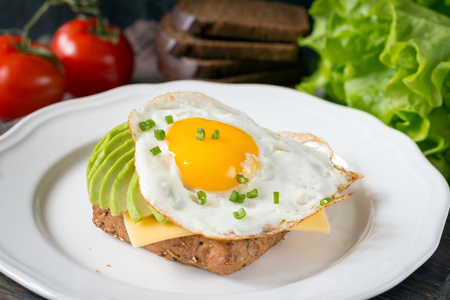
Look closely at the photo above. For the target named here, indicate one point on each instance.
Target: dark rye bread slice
(226, 70)
(242, 19)
(184, 67)
(171, 69)
(180, 43)
(179, 68)
(217, 256)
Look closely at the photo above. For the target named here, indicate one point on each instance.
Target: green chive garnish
(202, 197)
(169, 119)
(239, 214)
(200, 134)
(276, 197)
(241, 198)
(146, 125)
(236, 197)
(241, 179)
(160, 134)
(155, 151)
(252, 194)
(215, 135)
(325, 201)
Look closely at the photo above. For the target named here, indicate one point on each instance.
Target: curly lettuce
(390, 58)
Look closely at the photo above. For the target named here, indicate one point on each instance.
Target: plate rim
(23, 128)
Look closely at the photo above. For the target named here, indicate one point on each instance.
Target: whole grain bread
(180, 43)
(242, 19)
(217, 256)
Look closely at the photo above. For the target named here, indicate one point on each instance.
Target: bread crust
(222, 257)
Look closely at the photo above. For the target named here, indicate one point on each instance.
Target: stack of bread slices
(233, 41)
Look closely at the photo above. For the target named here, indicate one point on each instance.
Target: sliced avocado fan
(111, 178)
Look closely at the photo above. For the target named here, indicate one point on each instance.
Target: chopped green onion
(155, 151)
(200, 134)
(215, 135)
(160, 134)
(202, 197)
(276, 197)
(146, 125)
(325, 201)
(240, 198)
(143, 126)
(239, 214)
(236, 197)
(169, 119)
(241, 179)
(252, 194)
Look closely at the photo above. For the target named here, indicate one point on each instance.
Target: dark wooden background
(430, 281)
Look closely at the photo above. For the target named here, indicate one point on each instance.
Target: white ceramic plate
(380, 235)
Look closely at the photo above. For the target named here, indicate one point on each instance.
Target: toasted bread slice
(242, 19)
(217, 256)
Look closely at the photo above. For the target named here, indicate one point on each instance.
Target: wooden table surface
(430, 281)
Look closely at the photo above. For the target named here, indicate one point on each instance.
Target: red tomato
(94, 63)
(27, 81)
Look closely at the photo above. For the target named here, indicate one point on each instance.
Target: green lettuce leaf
(390, 58)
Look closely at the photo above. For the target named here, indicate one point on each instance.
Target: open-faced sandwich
(198, 182)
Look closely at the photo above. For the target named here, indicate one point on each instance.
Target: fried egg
(212, 170)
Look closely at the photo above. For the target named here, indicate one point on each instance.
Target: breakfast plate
(389, 226)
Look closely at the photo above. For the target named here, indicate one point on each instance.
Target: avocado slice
(101, 145)
(137, 207)
(109, 147)
(118, 202)
(111, 176)
(97, 177)
(158, 216)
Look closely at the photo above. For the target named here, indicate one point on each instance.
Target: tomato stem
(78, 6)
(37, 15)
(91, 7)
(26, 29)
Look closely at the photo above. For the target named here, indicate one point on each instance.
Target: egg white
(302, 174)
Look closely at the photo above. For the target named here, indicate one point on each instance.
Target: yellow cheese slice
(149, 230)
(317, 223)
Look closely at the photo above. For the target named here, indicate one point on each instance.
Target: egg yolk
(211, 164)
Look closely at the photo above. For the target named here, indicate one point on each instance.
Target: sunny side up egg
(211, 169)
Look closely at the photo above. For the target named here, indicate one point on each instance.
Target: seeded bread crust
(180, 43)
(217, 256)
(242, 19)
